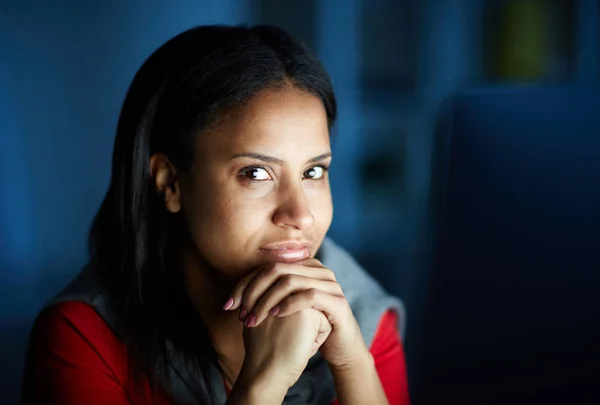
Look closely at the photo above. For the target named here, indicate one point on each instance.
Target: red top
(76, 359)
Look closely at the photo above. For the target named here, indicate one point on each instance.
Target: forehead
(280, 122)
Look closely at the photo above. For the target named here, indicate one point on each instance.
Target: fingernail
(274, 311)
(228, 304)
(250, 321)
(243, 313)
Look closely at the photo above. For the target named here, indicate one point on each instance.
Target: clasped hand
(290, 311)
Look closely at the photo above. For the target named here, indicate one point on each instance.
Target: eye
(256, 173)
(315, 173)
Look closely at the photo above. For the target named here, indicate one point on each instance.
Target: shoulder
(77, 315)
(387, 335)
(74, 356)
(73, 330)
(72, 353)
(388, 355)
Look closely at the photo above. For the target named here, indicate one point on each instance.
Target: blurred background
(65, 67)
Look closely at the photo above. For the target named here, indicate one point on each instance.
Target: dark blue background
(64, 70)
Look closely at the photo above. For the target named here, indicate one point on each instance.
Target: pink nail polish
(274, 311)
(251, 321)
(243, 313)
(228, 304)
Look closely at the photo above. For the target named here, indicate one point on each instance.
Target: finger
(289, 284)
(315, 263)
(321, 272)
(246, 294)
(323, 334)
(310, 261)
(235, 299)
(335, 307)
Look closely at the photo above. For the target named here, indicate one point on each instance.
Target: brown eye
(314, 173)
(256, 173)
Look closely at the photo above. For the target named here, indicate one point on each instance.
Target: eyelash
(243, 172)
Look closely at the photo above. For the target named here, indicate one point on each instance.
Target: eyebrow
(274, 160)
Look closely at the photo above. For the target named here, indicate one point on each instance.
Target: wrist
(259, 387)
(362, 359)
(358, 382)
(251, 393)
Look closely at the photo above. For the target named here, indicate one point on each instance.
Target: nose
(294, 209)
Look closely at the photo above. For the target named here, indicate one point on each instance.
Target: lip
(287, 245)
(287, 251)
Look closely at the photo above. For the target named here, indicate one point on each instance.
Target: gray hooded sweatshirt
(315, 386)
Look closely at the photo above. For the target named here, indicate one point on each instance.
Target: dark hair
(181, 90)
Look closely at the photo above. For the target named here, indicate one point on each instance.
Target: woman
(210, 278)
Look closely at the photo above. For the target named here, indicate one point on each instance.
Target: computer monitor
(513, 308)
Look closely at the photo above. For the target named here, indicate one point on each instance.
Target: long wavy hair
(182, 89)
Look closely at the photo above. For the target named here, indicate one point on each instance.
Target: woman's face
(258, 191)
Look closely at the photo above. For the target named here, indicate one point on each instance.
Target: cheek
(226, 221)
(238, 219)
(321, 206)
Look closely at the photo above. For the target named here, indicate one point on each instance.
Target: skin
(260, 178)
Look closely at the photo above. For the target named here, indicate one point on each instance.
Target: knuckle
(312, 294)
(338, 288)
(274, 269)
(288, 280)
(342, 302)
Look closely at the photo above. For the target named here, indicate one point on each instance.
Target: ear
(166, 181)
